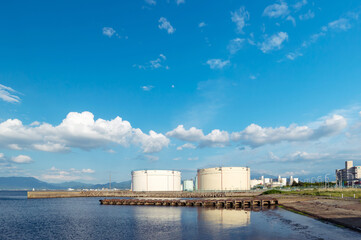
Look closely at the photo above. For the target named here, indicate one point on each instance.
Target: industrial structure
(269, 182)
(223, 179)
(349, 174)
(188, 185)
(156, 180)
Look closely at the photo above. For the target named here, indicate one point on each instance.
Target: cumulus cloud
(165, 24)
(276, 10)
(217, 63)
(186, 145)
(255, 135)
(7, 94)
(21, 159)
(273, 42)
(215, 138)
(240, 17)
(235, 45)
(78, 130)
(108, 31)
(192, 135)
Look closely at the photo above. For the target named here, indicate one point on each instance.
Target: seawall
(127, 193)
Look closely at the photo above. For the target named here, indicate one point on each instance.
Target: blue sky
(91, 87)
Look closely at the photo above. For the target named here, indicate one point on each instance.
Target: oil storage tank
(156, 180)
(223, 179)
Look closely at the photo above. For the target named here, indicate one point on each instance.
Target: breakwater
(127, 193)
(224, 203)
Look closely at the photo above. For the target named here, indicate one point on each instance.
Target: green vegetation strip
(346, 193)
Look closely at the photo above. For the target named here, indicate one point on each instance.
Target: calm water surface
(85, 218)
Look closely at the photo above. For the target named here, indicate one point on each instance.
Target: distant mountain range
(28, 183)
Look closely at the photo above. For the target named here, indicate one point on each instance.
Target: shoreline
(339, 212)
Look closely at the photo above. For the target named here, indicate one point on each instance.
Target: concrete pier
(221, 203)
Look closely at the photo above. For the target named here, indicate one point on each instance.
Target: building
(223, 179)
(256, 182)
(349, 174)
(156, 180)
(188, 185)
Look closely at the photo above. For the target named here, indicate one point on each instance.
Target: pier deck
(223, 203)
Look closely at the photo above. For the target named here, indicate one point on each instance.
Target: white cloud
(217, 63)
(21, 159)
(307, 16)
(177, 158)
(276, 10)
(60, 175)
(191, 135)
(235, 45)
(215, 138)
(253, 77)
(88, 170)
(293, 55)
(108, 31)
(202, 24)
(255, 135)
(147, 88)
(79, 130)
(7, 94)
(240, 17)
(151, 2)
(164, 24)
(291, 19)
(186, 145)
(299, 4)
(180, 1)
(273, 42)
(154, 64)
(193, 158)
(340, 24)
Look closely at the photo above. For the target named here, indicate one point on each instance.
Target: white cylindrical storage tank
(156, 180)
(224, 179)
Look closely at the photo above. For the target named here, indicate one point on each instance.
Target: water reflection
(160, 214)
(224, 218)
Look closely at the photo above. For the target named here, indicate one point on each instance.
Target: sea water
(85, 218)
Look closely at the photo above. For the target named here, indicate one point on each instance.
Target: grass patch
(272, 191)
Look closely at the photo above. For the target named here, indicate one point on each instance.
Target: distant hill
(28, 183)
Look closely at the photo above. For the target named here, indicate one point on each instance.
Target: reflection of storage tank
(223, 179)
(188, 185)
(156, 180)
(225, 218)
